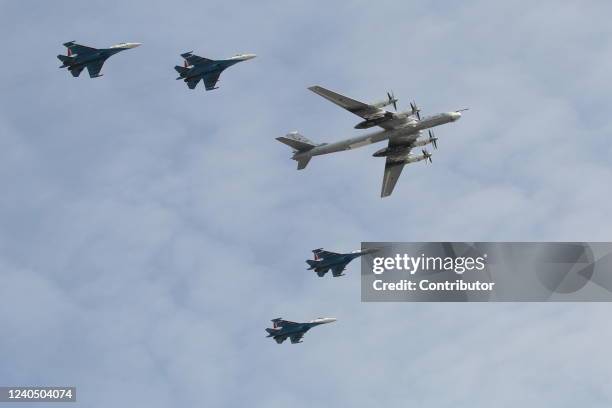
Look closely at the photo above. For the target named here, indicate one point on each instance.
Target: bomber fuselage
(410, 130)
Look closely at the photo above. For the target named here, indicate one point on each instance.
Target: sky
(149, 232)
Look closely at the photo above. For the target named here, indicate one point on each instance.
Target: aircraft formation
(403, 131)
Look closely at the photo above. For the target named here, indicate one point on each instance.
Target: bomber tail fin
(299, 144)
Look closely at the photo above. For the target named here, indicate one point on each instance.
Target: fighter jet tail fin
(66, 60)
(181, 70)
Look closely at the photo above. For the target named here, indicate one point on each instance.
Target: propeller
(392, 100)
(426, 155)
(433, 140)
(415, 110)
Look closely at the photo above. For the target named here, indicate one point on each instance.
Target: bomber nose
(455, 116)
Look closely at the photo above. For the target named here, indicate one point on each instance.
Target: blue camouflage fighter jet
(326, 260)
(80, 57)
(283, 329)
(198, 68)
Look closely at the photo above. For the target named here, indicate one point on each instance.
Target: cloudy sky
(149, 232)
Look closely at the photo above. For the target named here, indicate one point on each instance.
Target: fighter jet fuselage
(324, 261)
(283, 329)
(198, 68)
(80, 57)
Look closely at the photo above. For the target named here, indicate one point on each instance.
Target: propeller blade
(426, 155)
(392, 100)
(433, 140)
(415, 110)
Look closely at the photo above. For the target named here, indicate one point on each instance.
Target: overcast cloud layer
(150, 232)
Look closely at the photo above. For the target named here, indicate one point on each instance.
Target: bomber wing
(393, 167)
(363, 110)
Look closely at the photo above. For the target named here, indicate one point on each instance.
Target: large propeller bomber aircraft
(402, 130)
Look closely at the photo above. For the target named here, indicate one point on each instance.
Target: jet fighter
(80, 57)
(198, 68)
(402, 130)
(326, 260)
(283, 329)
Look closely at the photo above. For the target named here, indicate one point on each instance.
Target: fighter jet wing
(193, 59)
(94, 68)
(296, 338)
(79, 49)
(76, 71)
(283, 323)
(280, 339)
(210, 80)
(322, 254)
(322, 272)
(393, 170)
(192, 83)
(337, 271)
(358, 108)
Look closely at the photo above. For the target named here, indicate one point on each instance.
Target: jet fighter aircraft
(283, 329)
(402, 130)
(80, 57)
(326, 260)
(199, 68)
